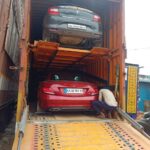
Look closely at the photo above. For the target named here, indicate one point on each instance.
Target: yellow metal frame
(82, 136)
(132, 89)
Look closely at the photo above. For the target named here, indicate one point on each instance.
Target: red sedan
(66, 95)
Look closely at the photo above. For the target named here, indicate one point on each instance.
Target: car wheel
(45, 36)
(53, 37)
(50, 37)
(88, 45)
(146, 125)
(147, 115)
(97, 43)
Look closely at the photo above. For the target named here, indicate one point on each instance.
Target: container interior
(100, 69)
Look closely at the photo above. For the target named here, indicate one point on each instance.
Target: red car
(66, 95)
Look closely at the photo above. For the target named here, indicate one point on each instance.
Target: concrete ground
(6, 138)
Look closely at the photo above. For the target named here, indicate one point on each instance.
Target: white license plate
(76, 26)
(73, 91)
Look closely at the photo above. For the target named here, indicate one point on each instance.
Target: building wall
(144, 94)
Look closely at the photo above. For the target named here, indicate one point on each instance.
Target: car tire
(97, 43)
(45, 37)
(146, 125)
(147, 115)
(53, 37)
(88, 45)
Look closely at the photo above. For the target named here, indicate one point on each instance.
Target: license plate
(76, 26)
(73, 91)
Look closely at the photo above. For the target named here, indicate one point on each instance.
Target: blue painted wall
(144, 94)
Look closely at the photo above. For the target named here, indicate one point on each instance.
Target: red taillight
(53, 11)
(48, 91)
(97, 18)
(93, 92)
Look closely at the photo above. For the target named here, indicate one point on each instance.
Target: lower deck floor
(70, 131)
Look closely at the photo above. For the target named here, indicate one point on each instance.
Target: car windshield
(74, 75)
(69, 78)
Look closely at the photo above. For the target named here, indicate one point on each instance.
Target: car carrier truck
(73, 130)
(9, 56)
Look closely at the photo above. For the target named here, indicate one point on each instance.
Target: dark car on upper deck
(72, 26)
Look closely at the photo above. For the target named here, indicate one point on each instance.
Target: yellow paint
(19, 107)
(27, 142)
(132, 89)
(80, 135)
(15, 143)
(70, 136)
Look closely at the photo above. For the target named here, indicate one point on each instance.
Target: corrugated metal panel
(7, 84)
(116, 44)
(8, 90)
(11, 25)
(95, 68)
(8, 80)
(5, 62)
(105, 67)
(4, 13)
(14, 30)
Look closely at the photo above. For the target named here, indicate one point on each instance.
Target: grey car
(72, 26)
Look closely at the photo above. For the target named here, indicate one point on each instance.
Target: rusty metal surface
(4, 15)
(8, 80)
(48, 54)
(14, 30)
(10, 33)
(23, 76)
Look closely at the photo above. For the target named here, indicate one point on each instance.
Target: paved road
(6, 138)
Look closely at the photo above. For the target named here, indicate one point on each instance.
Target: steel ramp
(77, 135)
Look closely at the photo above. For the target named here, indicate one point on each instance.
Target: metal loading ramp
(82, 135)
(50, 55)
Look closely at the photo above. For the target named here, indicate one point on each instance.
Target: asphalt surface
(6, 137)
